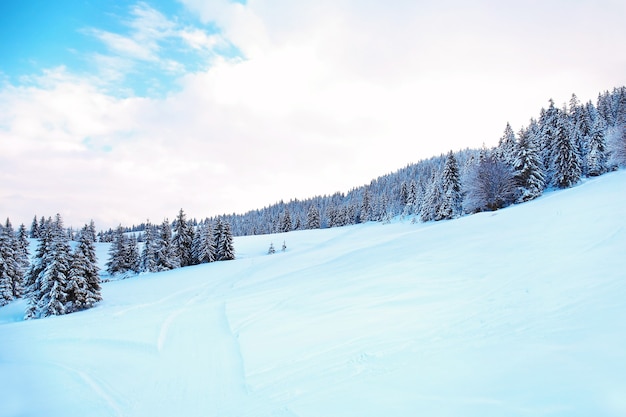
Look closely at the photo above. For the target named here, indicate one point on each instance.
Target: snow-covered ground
(520, 312)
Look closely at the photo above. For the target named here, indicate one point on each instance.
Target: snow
(519, 312)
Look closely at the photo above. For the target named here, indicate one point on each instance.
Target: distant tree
(284, 247)
(285, 223)
(123, 255)
(313, 220)
(34, 229)
(22, 254)
(271, 250)
(47, 277)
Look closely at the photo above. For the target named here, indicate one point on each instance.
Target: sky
(123, 111)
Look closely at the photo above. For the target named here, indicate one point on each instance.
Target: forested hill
(555, 150)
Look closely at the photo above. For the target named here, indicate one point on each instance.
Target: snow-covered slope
(520, 312)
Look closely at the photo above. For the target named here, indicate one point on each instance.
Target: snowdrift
(519, 312)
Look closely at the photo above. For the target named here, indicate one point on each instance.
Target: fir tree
(183, 240)
(597, 155)
(527, 169)
(11, 272)
(225, 250)
(48, 276)
(166, 256)
(148, 260)
(451, 199)
(83, 290)
(566, 163)
(313, 219)
(123, 255)
(285, 224)
(34, 229)
(204, 244)
(271, 249)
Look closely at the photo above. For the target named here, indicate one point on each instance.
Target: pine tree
(34, 229)
(285, 221)
(566, 163)
(204, 244)
(83, 289)
(11, 272)
(527, 169)
(48, 276)
(597, 155)
(432, 199)
(123, 255)
(22, 254)
(166, 256)
(451, 198)
(506, 146)
(271, 249)
(148, 260)
(313, 219)
(224, 241)
(183, 240)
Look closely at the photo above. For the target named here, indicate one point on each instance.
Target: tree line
(60, 280)
(554, 151)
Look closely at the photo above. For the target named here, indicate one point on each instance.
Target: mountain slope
(519, 312)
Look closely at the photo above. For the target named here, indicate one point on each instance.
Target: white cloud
(331, 94)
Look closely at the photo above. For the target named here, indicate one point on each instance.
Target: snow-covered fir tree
(566, 165)
(597, 154)
(451, 198)
(47, 277)
(204, 243)
(271, 249)
(313, 219)
(83, 287)
(167, 257)
(528, 174)
(506, 146)
(433, 197)
(123, 255)
(11, 265)
(182, 239)
(285, 222)
(148, 258)
(225, 249)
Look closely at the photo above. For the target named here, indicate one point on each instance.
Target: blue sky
(106, 38)
(123, 111)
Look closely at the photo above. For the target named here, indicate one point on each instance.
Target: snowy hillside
(519, 312)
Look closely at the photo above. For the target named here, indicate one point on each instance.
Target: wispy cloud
(154, 45)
